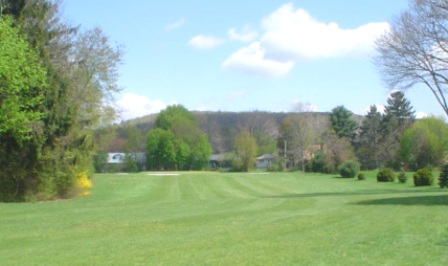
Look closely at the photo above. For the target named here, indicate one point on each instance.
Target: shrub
(321, 163)
(83, 184)
(129, 165)
(423, 177)
(349, 169)
(309, 166)
(273, 168)
(385, 175)
(402, 178)
(361, 176)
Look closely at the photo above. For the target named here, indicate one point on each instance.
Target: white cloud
(291, 32)
(252, 60)
(246, 34)
(420, 115)
(205, 42)
(176, 24)
(133, 105)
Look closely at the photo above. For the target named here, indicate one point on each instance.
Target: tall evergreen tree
(399, 107)
(369, 140)
(398, 117)
(342, 123)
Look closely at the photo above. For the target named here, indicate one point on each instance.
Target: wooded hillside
(222, 127)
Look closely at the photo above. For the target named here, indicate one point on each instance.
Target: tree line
(306, 141)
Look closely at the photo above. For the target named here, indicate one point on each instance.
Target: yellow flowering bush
(83, 184)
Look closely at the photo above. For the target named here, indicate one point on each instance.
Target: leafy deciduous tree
(245, 147)
(22, 80)
(162, 152)
(72, 104)
(193, 148)
(425, 143)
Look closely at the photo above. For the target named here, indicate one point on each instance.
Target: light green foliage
(265, 143)
(402, 178)
(162, 151)
(176, 118)
(80, 71)
(425, 143)
(200, 153)
(192, 146)
(22, 80)
(245, 147)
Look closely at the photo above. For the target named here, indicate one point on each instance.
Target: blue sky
(229, 55)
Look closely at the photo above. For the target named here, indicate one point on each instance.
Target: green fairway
(231, 219)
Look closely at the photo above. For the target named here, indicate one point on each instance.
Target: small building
(220, 161)
(264, 161)
(117, 159)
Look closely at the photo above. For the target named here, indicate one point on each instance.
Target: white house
(116, 158)
(264, 161)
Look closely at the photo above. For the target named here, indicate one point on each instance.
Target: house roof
(266, 156)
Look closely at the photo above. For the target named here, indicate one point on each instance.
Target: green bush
(129, 165)
(402, 178)
(385, 175)
(349, 169)
(443, 178)
(309, 167)
(273, 168)
(321, 163)
(361, 176)
(423, 177)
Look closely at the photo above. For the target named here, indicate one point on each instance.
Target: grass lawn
(231, 219)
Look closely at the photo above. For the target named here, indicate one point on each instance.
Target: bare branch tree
(415, 50)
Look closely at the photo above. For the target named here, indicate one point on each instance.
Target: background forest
(303, 140)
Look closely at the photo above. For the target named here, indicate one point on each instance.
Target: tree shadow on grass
(427, 200)
(345, 194)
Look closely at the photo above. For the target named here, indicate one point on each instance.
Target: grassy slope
(231, 219)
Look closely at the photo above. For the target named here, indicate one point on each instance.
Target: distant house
(264, 161)
(221, 161)
(118, 159)
(115, 158)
